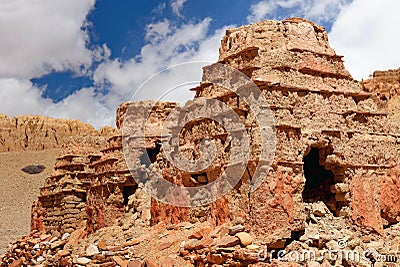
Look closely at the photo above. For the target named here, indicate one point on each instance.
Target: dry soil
(18, 190)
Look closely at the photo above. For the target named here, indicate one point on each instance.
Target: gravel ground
(18, 190)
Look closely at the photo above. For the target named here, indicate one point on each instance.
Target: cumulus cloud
(21, 97)
(177, 6)
(86, 105)
(41, 36)
(167, 45)
(46, 36)
(367, 34)
(316, 10)
(368, 43)
(261, 10)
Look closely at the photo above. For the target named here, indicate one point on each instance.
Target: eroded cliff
(40, 133)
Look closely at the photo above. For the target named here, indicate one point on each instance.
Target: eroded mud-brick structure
(334, 143)
(111, 181)
(61, 205)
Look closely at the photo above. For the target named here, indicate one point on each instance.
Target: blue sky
(81, 58)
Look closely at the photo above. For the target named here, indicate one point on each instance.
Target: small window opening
(127, 191)
(200, 178)
(150, 156)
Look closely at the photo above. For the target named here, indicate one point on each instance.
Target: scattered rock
(122, 262)
(63, 253)
(253, 247)
(235, 229)
(151, 263)
(165, 245)
(227, 241)
(102, 245)
(56, 234)
(319, 209)
(65, 236)
(16, 263)
(33, 169)
(196, 235)
(92, 250)
(278, 244)
(191, 244)
(83, 260)
(40, 259)
(216, 258)
(206, 242)
(244, 238)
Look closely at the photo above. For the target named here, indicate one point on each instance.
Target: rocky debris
(327, 241)
(50, 250)
(325, 237)
(228, 248)
(245, 238)
(236, 229)
(92, 250)
(33, 169)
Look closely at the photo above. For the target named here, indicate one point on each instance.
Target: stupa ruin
(336, 144)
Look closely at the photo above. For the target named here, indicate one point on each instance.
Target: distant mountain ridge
(39, 133)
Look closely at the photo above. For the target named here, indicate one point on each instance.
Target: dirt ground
(18, 190)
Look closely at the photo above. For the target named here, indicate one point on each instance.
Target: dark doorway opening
(318, 179)
(127, 191)
(150, 156)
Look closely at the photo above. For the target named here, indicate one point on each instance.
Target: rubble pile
(326, 241)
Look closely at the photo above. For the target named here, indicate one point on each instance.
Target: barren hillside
(19, 189)
(30, 140)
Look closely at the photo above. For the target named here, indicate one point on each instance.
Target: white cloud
(167, 45)
(177, 6)
(159, 9)
(18, 97)
(43, 35)
(367, 34)
(364, 32)
(156, 32)
(261, 10)
(86, 105)
(21, 97)
(316, 10)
